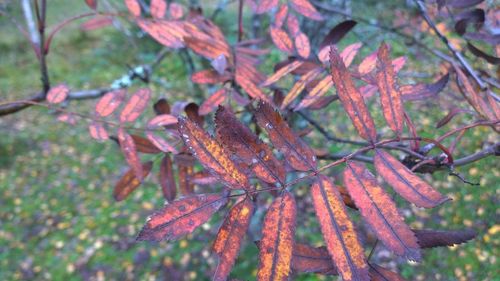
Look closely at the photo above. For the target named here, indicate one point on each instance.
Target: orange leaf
(368, 64)
(212, 156)
(282, 72)
(338, 231)
(379, 211)
(135, 105)
(166, 179)
(129, 150)
(209, 48)
(129, 182)
(351, 99)
(297, 152)
(158, 8)
(181, 217)
(347, 54)
(133, 7)
(213, 102)
(281, 39)
(276, 246)
(302, 45)
(305, 8)
(390, 97)
(299, 86)
(110, 102)
(229, 239)
(378, 273)
(244, 144)
(98, 132)
(167, 33)
(316, 93)
(58, 93)
(406, 183)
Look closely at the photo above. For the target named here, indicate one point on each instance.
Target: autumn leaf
(276, 246)
(58, 94)
(302, 45)
(135, 105)
(280, 16)
(181, 217)
(378, 273)
(213, 101)
(305, 8)
(351, 99)
(133, 7)
(98, 132)
(315, 93)
(282, 72)
(158, 8)
(441, 238)
(281, 40)
(338, 231)
(229, 239)
(168, 33)
(209, 48)
(308, 259)
(380, 211)
(108, 103)
(129, 182)
(161, 107)
(96, 22)
(266, 5)
(406, 183)
(166, 179)
(390, 97)
(159, 122)
(129, 150)
(250, 87)
(299, 86)
(92, 4)
(423, 91)
(244, 144)
(176, 10)
(292, 23)
(337, 33)
(296, 152)
(143, 145)
(212, 156)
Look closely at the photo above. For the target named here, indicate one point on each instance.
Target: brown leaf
(133, 7)
(338, 231)
(135, 105)
(212, 156)
(378, 273)
(185, 174)
(158, 8)
(351, 98)
(451, 114)
(181, 217)
(442, 238)
(281, 40)
(98, 132)
(143, 145)
(129, 182)
(213, 101)
(299, 86)
(280, 73)
(244, 144)
(337, 33)
(479, 53)
(305, 8)
(229, 239)
(406, 183)
(276, 246)
(390, 97)
(191, 110)
(161, 107)
(108, 103)
(307, 259)
(302, 45)
(380, 211)
(166, 178)
(296, 152)
(129, 150)
(58, 94)
(423, 91)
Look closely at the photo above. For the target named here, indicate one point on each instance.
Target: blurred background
(58, 220)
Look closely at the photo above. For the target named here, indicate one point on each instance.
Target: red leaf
(307, 259)
(390, 97)
(143, 145)
(208, 76)
(302, 45)
(229, 239)
(441, 238)
(405, 183)
(296, 152)
(281, 39)
(110, 102)
(166, 178)
(98, 132)
(58, 93)
(133, 7)
(299, 86)
(129, 150)
(351, 98)
(209, 48)
(347, 54)
(129, 182)
(160, 142)
(378, 273)
(244, 144)
(96, 22)
(158, 8)
(305, 8)
(316, 93)
(280, 16)
(280, 73)
(92, 4)
(266, 5)
(293, 25)
(162, 120)
(423, 91)
(368, 64)
(176, 11)
(276, 246)
(213, 101)
(338, 231)
(135, 105)
(68, 118)
(380, 211)
(167, 33)
(181, 217)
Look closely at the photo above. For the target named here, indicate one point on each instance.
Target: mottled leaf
(167, 33)
(276, 246)
(136, 104)
(338, 231)
(405, 183)
(380, 211)
(129, 182)
(296, 152)
(181, 217)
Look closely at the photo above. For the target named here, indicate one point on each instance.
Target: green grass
(58, 220)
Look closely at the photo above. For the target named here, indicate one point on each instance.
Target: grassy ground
(58, 220)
